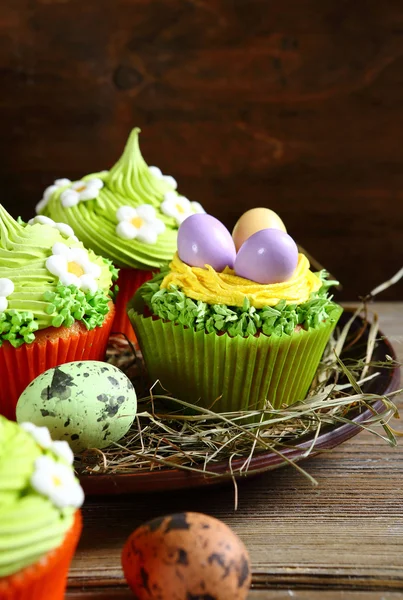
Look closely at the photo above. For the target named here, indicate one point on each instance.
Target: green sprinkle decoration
(17, 327)
(173, 305)
(69, 304)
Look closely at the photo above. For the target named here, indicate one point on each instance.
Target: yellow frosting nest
(229, 289)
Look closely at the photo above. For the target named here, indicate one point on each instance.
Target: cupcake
(55, 305)
(40, 521)
(129, 215)
(234, 331)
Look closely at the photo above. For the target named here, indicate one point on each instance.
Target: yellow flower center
(56, 480)
(81, 189)
(180, 208)
(75, 268)
(137, 222)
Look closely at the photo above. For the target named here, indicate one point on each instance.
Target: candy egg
(254, 220)
(185, 556)
(204, 240)
(90, 404)
(268, 256)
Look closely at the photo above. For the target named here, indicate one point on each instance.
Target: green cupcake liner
(230, 374)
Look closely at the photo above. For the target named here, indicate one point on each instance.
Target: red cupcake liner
(52, 346)
(46, 579)
(129, 281)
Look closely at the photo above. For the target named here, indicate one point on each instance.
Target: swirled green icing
(128, 183)
(30, 525)
(24, 250)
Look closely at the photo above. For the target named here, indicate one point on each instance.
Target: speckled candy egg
(87, 403)
(254, 220)
(186, 556)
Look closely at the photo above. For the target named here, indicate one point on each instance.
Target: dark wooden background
(292, 104)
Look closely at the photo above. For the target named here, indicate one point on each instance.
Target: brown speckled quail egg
(186, 556)
(90, 404)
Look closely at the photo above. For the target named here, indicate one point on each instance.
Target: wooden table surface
(342, 540)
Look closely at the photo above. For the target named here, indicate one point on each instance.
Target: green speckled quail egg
(90, 404)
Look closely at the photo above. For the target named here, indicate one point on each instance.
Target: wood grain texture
(119, 594)
(340, 541)
(292, 105)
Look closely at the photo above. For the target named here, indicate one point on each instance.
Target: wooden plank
(296, 535)
(118, 594)
(346, 534)
(298, 109)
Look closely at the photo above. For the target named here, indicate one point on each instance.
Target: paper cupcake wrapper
(129, 281)
(52, 347)
(231, 374)
(46, 579)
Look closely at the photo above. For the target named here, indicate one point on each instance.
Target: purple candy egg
(203, 240)
(268, 256)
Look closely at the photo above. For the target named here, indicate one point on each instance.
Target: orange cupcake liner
(46, 579)
(52, 347)
(129, 281)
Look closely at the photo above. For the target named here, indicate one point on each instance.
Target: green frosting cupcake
(47, 278)
(232, 358)
(38, 494)
(129, 214)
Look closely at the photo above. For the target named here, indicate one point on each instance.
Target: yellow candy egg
(254, 220)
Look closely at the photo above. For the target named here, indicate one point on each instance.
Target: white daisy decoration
(81, 191)
(178, 207)
(73, 267)
(64, 229)
(62, 450)
(197, 208)
(56, 481)
(156, 171)
(43, 438)
(6, 289)
(139, 223)
(49, 191)
(41, 435)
